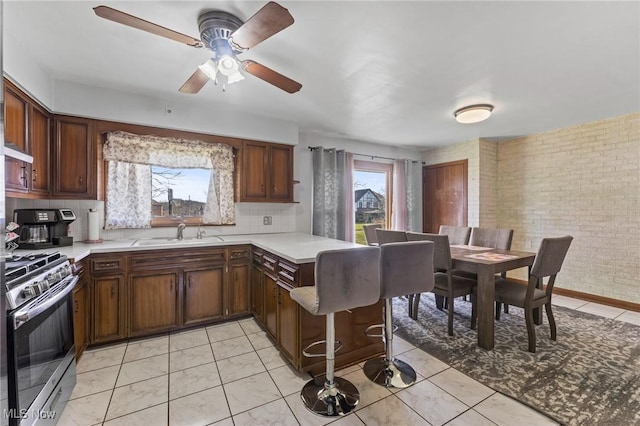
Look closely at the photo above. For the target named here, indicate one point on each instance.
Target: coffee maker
(43, 228)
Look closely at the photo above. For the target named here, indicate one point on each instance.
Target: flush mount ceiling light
(473, 113)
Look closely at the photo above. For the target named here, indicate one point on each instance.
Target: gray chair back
(458, 235)
(550, 257)
(347, 279)
(406, 268)
(491, 237)
(370, 233)
(388, 236)
(441, 250)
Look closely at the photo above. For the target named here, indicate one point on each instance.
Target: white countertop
(295, 247)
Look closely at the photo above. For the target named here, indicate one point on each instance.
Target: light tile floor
(231, 374)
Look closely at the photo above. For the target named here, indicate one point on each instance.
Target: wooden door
(254, 171)
(108, 312)
(16, 110)
(81, 316)
(153, 302)
(74, 159)
(271, 304)
(257, 293)
(444, 195)
(40, 142)
(238, 297)
(288, 324)
(280, 173)
(203, 294)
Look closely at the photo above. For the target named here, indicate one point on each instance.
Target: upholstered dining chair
(370, 233)
(388, 236)
(458, 235)
(547, 263)
(446, 284)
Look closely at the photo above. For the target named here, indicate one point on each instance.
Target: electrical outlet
(266, 220)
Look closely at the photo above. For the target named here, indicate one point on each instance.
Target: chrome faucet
(200, 233)
(181, 231)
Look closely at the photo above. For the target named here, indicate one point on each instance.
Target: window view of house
(178, 193)
(370, 197)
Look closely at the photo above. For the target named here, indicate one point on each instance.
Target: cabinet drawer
(289, 273)
(240, 253)
(107, 265)
(269, 262)
(256, 255)
(151, 260)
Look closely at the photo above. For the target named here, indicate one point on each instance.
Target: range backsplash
(249, 219)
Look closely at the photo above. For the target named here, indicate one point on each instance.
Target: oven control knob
(29, 292)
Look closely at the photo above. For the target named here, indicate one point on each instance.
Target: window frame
(377, 167)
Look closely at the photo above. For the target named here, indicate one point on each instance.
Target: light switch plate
(266, 220)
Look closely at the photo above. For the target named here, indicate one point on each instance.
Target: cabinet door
(16, 109)
(108, 310)
(74, 161)
(81, 316)
(271, 304)
(238, 297)
(288, 324)
(203, 294)
(254, 172)
(281, 173)
(153, 302)
(40, 136)
(257, 293)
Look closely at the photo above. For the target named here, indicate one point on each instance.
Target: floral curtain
(146, 150)
(329, 193)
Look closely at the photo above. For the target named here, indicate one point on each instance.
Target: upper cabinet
(266, 173)
(74, 158)
(28, 127)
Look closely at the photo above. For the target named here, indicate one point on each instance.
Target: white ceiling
(386, 72)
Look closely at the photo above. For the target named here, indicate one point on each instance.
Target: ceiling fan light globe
(235, 77)
(210, 69)
(227, 65)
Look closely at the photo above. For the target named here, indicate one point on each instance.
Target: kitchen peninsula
(137, 288)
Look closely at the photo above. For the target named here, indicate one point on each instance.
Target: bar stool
(405, 268)
(344, 279)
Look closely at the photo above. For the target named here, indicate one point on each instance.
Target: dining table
(486, 262)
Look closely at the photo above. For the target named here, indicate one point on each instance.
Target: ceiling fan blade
(196, 82)
(269, 20)
(270, 76)
(135, 22)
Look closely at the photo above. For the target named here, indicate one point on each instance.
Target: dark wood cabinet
(266, 173)
(153, 302)
(28, 127)
(287, 323)
(74, 158)
(108, 307)
(271, 304)
(257, 286)
(81, 310)
(204, 294)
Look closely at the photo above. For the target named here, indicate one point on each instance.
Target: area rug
(589, 376)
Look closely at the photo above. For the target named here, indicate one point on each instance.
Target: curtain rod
(312, 148)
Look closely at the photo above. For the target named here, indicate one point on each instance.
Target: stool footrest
(308, 354)
(368, 333)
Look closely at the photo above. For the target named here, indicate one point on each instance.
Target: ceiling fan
(226, 36)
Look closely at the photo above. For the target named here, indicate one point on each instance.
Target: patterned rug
(590, 376)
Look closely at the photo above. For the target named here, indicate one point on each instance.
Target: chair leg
(498, 309)
(414, 308)
(506, 308)
(552, 321)
(531, 330)
(410, 305)
(450, 316)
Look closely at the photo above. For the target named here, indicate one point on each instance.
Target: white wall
(303, 170)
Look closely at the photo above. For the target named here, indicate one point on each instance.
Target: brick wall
(488, 184)
(582, 181)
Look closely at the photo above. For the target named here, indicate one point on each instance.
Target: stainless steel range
(41, 353)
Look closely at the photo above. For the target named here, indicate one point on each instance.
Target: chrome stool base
(332, 401)
(396, 374)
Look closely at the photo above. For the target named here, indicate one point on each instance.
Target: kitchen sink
(175, 241)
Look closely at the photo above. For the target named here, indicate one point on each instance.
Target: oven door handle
(22, 317)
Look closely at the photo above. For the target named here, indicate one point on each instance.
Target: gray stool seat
(405, 268)
(344, 279)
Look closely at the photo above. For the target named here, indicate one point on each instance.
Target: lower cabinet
(81, 312)
(287, 323)
(257, 292)
(108, 317)
(238, 289)
(153, 302)
(204, 294)
(271, 304)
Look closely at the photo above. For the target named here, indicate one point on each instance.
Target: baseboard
(622, 304)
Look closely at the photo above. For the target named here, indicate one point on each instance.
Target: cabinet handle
(274, 188)
(76, 308)
(24, 175)
(189, 282)
(113, 291)
(81, 180)
(35, 175)
(262, 187)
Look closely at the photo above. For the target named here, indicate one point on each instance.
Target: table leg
(485, 300)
